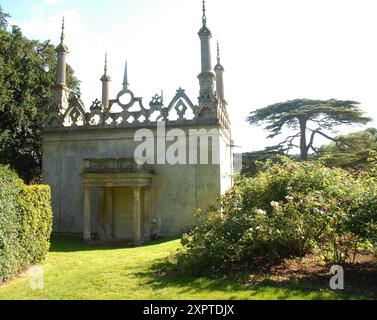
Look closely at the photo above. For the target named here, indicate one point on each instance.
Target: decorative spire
(62, 47)
(125, 80)
(218, 53)
(105, 76)
(219, 70)
(105, 86)
(204, 31)
(62, 52)
(62, 37)
(218, 65)
(207, 101)
(204, 14)
(105, 63)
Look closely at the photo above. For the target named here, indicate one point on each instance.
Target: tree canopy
(354, 153)
(304, 116)
(27, 73)
(3, 19)
(253, 161)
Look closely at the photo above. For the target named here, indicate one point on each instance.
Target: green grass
(77, 271)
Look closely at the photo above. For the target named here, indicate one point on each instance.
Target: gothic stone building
(99, 188)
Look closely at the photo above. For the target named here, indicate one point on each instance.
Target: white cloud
(53, 2)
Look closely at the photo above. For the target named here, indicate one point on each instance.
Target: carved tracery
(128, 110)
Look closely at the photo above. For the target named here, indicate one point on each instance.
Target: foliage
(298, 115)
(288, 210)
(25, 224)
(373, 163)
(3, 19)
(353, 153)
(10, 188)
(251, 161)
(27, 73)
(36, 222)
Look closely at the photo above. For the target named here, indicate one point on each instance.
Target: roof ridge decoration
(127, 110)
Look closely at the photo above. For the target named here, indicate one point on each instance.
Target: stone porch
(125, 201)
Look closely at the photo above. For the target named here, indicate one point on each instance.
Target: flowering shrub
(288, 210)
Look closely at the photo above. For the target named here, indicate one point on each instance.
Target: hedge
(25, 224)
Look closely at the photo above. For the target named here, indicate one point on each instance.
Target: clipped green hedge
(25, 224)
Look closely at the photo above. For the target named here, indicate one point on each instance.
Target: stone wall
(176, 190)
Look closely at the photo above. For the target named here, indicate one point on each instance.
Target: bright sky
(272, 50)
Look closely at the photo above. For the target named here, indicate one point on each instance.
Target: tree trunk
(303, 147)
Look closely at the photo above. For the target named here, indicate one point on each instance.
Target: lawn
(74, 270)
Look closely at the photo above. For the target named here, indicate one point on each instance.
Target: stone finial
(62, 35)
(218, 65)
(105, 86)
(218, 52)
(125, 79)
(62, 47)
(105, 69)
(204, 32)
(219, 70)
(105, 76)
(204, 19)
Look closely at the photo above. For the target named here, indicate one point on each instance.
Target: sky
(272, 50)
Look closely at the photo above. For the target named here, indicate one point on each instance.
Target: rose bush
(288, 210)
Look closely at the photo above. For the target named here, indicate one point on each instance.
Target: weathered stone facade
(100, 189)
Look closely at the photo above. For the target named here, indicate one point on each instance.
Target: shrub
(288, 210)
(10, 187)
(25, 224)
(36, 222)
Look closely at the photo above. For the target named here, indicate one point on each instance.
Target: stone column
(101, 208)
(105, 92)
(108, 219)
(205, 41)
(87, 214)
(61, 67)
(147, 214)
(136, 215)
(219, 70)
